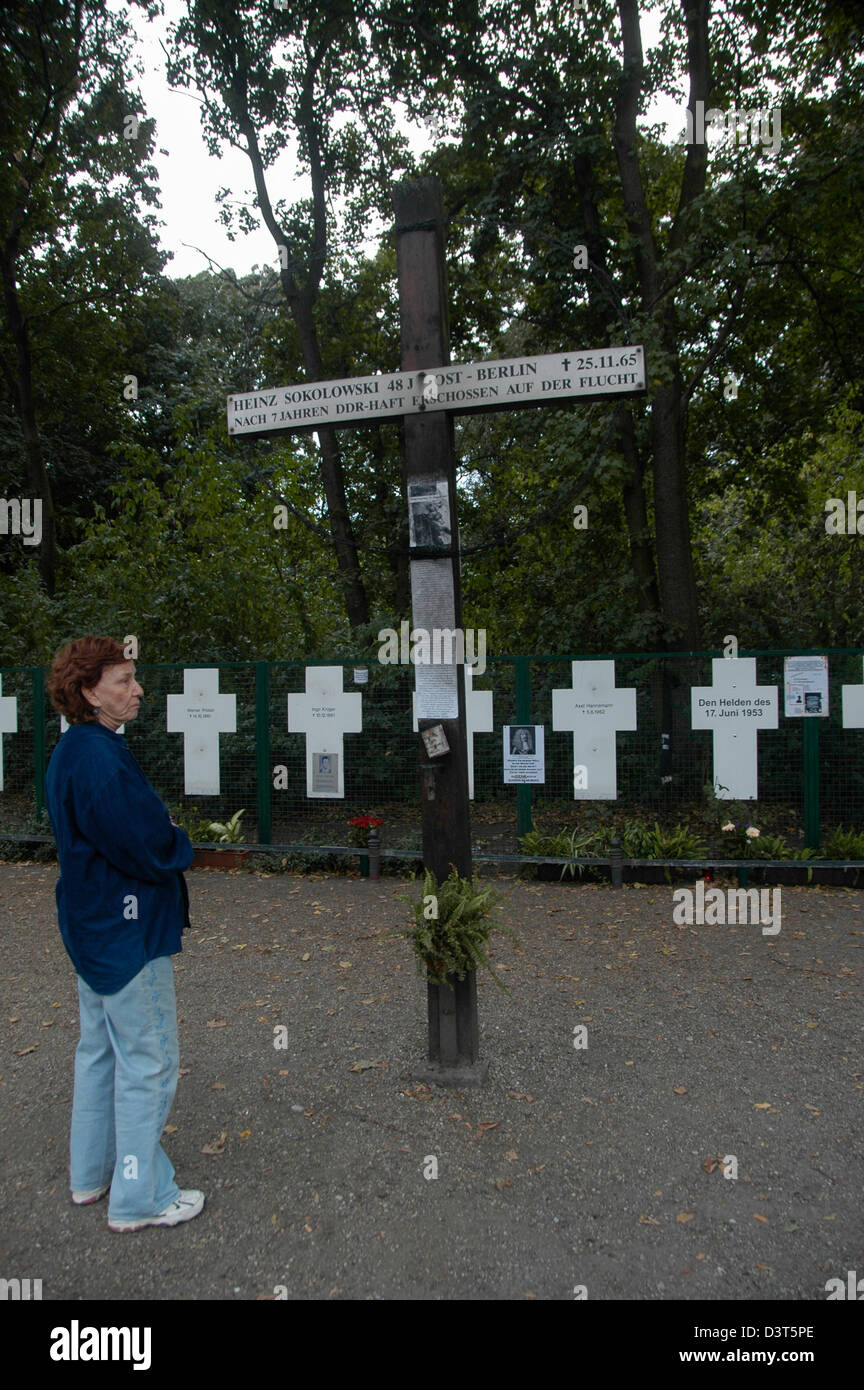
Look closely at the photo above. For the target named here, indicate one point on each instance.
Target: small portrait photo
(325, 772)
(522, 738)
(429, 515)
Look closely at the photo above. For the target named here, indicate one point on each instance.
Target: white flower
(752, 833)
(728, 825)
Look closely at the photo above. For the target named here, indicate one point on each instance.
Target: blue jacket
(122, 899)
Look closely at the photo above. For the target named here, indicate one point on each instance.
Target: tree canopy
(736, 261)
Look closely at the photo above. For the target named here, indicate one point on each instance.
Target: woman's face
(117, 694)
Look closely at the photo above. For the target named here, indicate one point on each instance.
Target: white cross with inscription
(325, 714)
(8, 721)
(735, 708)
(201, 714)
(478, 719)
(853, 706)
(596, 712)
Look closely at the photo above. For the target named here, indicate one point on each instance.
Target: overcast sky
(189, 176)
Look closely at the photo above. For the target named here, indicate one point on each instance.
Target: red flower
(366, 822)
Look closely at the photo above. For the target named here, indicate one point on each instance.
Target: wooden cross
(425, 393)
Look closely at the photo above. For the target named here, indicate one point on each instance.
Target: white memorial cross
(853, 707)
(201, 714)
(595, 712)
(8, 721)
(325, 714)
(735, 708)
(478, 719)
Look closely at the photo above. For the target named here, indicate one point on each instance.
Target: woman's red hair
(81, 663)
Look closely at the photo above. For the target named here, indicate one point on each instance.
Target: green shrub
(845, 844)
(455, 939)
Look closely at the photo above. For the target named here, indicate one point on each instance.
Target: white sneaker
(187, 1205)
(91, 1194)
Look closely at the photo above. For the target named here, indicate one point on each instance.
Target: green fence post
(811, 782)
(39, 738)
(522, 681)
(262, 749)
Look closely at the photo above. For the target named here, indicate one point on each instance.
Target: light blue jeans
(126, 1068)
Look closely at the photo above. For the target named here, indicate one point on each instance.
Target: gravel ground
(593, 1167)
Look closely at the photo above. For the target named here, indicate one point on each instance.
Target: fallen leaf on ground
(216, 1145)
(487, 1124)
(680, 1090)
(760, 1218)
(685, 1216)
(218, 1086)
(170, 1129)
(647, 1220)
(217, 1023)
(365, 1066)
(22, 1051)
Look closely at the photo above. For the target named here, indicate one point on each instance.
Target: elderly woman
(122, 905)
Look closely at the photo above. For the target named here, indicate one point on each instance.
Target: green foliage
(189, 818)
(456, 939)
(230, 832)
(845, 844)
(679, 842)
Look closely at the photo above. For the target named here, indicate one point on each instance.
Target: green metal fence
(811, 771)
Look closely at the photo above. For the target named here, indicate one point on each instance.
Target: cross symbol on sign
(325, 714)
(735, 708)
(596, 712)
(201, 714)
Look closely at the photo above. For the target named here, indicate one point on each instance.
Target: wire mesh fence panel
(664, 768)
(17, 797)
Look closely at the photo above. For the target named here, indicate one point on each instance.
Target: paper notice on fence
(806, 684)
(524, 753)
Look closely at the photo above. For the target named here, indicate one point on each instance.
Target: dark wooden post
(435, 586)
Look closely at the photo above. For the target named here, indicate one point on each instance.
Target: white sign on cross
(456, 387)
(8, 721)
(201, 714)
(595, 711)
(325, 714)
(734, 709)
(853, 706)
(478, 719)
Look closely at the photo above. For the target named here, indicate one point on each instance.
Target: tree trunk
(672, 522)
(333, 478)
(636, 513)
(22, 386)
